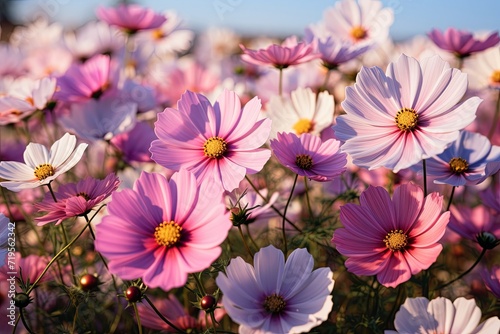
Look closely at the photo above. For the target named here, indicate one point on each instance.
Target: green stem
(424, 170)
(245, 242)
(464, 273)
(495, 118)
(25, 323)
(51, 191)
(138, 319)
(307, 198)
(284, 213)
(327, 78)
(199, 285)
(70, 258)
(161, 316)
(451, 198)
(280, 84)
(425, 284)
(250, 236)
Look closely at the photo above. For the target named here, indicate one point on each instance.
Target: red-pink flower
(76, 199)
(290, 52)
(462, 43)
(478, 224)
(131, 18)
(220, 143)
(392, 239)
(162, 230)
(309, 156)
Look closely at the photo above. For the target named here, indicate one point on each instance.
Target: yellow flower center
(358, 33)
(158, 34)
(396, 240)
(168, 234)
(43, 171)
(303, 125)
(274, 304)
(406, 119)
(458, 165)
(495, 77)
(215, 147)
(304, 161)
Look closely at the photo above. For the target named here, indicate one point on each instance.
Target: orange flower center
(215, 147)
(495, 76)
(168, 234)
(303, 125)
(358, 33)
(274, 304)
(304, 161)
(158, 34)
(406, 119)
(43, 171)
(458, 165)
(396, 240)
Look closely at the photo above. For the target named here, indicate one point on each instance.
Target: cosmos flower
(134, 144)
(484, 69)
(220, 142)
(131, 18)
(462, 43)
(477, 224)
(309, 156)
(76, 199)
(491, 195)
(302, 112)
(400, 236)
(41, 166)
(464, 161)
(166, 230)
(290, 52)
(363, 22)
(274, 297)
(440, 315)
(408, 114)
(335, 52)
(491, 278)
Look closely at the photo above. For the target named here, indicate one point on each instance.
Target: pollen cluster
(458, 165)
(304, 161)
(358, 33)
(168, 234)
(215, 147)
(396, 240)
(303, 125)
(406, 119)
(495, 76)
(43, 171)
(274, 304)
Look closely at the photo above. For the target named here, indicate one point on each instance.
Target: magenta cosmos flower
(76, 199)
(274, 297)
(478, 224)
(491, 278)
(166, 231)
(41, 165)
(309, 156)
(290, 52)
(462, 43)
(220, 142)
(440, 315)
(131, 18)
(392, 239)
(410, 113)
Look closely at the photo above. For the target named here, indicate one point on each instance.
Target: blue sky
(284, 17)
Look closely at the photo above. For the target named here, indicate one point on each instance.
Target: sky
(280, 18)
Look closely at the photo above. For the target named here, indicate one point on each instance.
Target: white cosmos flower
(301, 113)
(41, 166)
(440, 315)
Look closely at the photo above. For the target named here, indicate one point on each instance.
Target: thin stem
(161, 315)
(25, 323)
(425, 284)
(451, 198)
(245, 242)
(460, 62)
(327, 78)
(250, 236)
(70, 258)
(284, 213)
(137, 318)
(307, 198)
(199, 284)
(212, 317)
(280, 84)
(495, 118)
(51, 191)
(465, 272)
(74, 320)
(424, 170)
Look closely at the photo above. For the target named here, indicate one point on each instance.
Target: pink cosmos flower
(131, 18)
(85, 81)
(172, 309)
(220, 143)
(31, 267)
(408, 114)
(464, 161)
(41, 166)
(491, 279)
(440, 315)
(76, 199)
(399, 236)
(166, 230)
(134, 144)
(274, 297)
(462, 43)
(335, 52)
(477, 224)
(309, 156)
(290, 52)
(491, 195)
(484, 69)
